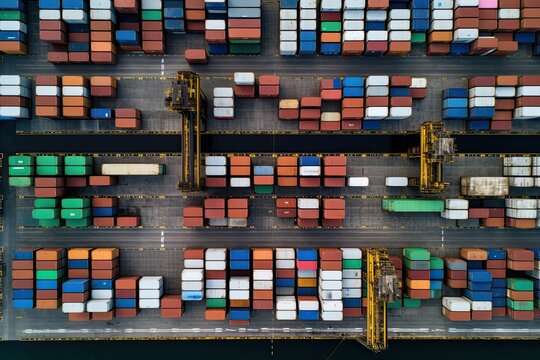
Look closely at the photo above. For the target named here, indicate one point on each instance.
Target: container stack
(417, 275)
(352, 42)
(441, 26)
(21, 170)
(48, 96)
(75, 294)
(332, 284)
(102, 21)
(286, 307)
(237, 212)
(521, 213)
(125, 293)
(215, 266)
(398, 266)
(76, 212)
(223, 103)
(352, 105)
(50, 273)
(333, 212)
(288, 26)
(76, 165)
(308, 28)
(310, 114)
(13, 28)
(456, 308)
(103, 87)
(481, 102)
(377, 104)
(310, 171)
(455, 273)
(455, 104)
(436, 277)
(193, 216)
(49, 187)
(285, 277)
(193, 274)
(15, 96)
(399, 32)
(263, 279)
(195, 15)
(287, 171)
(286, 207)
(496, 265)
(105, 269)
(128, 33)
(478, 294)
(400, 97)
(239, 286)
(244, 85)
(535, 274)
(330, 17)
(153, 39)
(306, 266)
(419, 20)
(505, 93)
(308, 213)
(335, 171)
(519, 171)
(376, 28)
(289, 109)
(418, 88)
(215, 34)
(352, 282)
(150, 291)
(76, 101)
(23, 278)
(527, 104)
(520, 299)
(171, 307)
(79, 263)
(484, 186)
(214, 211)
(104, 211)
(268, 86)
(127, 118)
(196, 56)
(215, 170)
(330, 90)
(173, 18)
(244, 29)
(76, 14)
(263, 179)
(519, 259)
(240, 171)
(466, 23)
(456, 209)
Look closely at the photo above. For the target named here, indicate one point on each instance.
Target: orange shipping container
(287, 170)
(473, 254)
(105, 253)
(331, 265)
(328, 37)
(286, 203)
(334, 214)
(237, 203)
(240, 161)
(263, 264)
(193, 211)
(263, 254)
(242, 33)
(50, 254)
(263, 294)
(263, 180)
(74, 80)
(287, 161)
(22, 274)
(440, 36)
(239, 303)
(127, 283)
(127, 123)
(75, 112)
(103, 81)
(167, 313)
(13, 47)
(237, 213)
(195, 14)
(48, 111)
(287, 181)
(215, 314)
(507, 80)
(76, 101)
(240, 170)
(335, 171)
(48, 304)
(171, 302)
(100, 46)
(307, 282)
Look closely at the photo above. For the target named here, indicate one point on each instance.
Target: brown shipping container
(456, 284)
(171, 302)
(125, 293)
(103, 58)
(214, 213)
(194, 253)
(79, 37)
(237, 203)
(378, 4)
(48, 80)
(128, 123)
(263, 304)
(126, 6)
(215, 314)
(263, 179)
(50, 265)
(504, 104)
(193, 211)
(48, 304)
(214, 203)
(128, 221)
(377, 46)
(79, 316)
(240, 303)
(244, 23)
(48, 192)
(521, 223)
(330, 16)
(352, 103)
(108, 316)
(352, 312)
(216, 182)
(529, 80)
(104, 202)
(417, 274)
(48, 101)
(473, 254)
(101, 180)
(286, 213)
(456, 315)
(13, 47)
(215, 274)
(22, 264)
(331, 265)
(528, 101)
(126, 312)
(166, 313)
(519, 315)
(466, 12)
(22, 284)
(53, 37)
(127, 113)
(377, 101)
(104, 274)
(75, 297)
(285, 273)
(196, 56)
(78, 273)
(466, 23)
(101, 26)
(520, 265)
(104, 221)
(104, 264)
(497, 273)
(127, 283)
(49, 182)
(103, 91)
(288, 114)
(310, 182)
(263, 264)
(418, 294)
(193, 222)
(310, 102)
(22, 274)
(52, 25)
(245, 33)
(478, 213)
(101, 36)
(268, 80)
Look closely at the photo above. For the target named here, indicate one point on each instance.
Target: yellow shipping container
(307, 282)
(418, 284)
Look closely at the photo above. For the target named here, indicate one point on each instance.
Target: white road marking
(162, 66)
(442, 238)
(162, 239)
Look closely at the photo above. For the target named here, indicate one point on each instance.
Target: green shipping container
(12, 15)
(51, 223)
(245, 49)
(152, 15)
(413, 205)
(331, 26)
(50, 274)
(264, 189)
(21, 181)
(21, 160)
(48, 170)
(75, 203)
(436, 263)
(46, 203)
(416, 264)
(351, 264)
(78, 223)
(21, 171)
(519, 284)
(435, 293)
(75, 213)
(394, 304)
(216, 303)
(45, 214)
(78, 170)
(418, 38)
(244, 41)
(76, 160)
(537, 303)
(48, 160)
(520, 305)
(412, 303)
(416, 254)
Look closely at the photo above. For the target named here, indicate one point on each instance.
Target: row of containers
(492, 102)
(391, 27)
(307, 284)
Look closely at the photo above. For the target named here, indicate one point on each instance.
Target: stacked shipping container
(215, 266)
(239, 286)
(23, 278)
(331, 284)
(15, 96)
(125, 293)
(193, 275)
(50, 273)
(352, 282)
(285, 284)
(13, 27)
(306, 291)
(150, 291)
(263, 279)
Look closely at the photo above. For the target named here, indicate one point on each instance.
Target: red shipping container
(237, 203)
(48, 192)
(334, 214)
(22, 264)
(285, 273)
(104, 221)
(104, 264)
(126, 312)
(244, 91)
(401, 101)
(103, 91)
(193, 253)
(519, 315)
(244, 23)
(308, 125)
(104, 274)
(334, 204)
(215, 274)
(269, 91)
(289, 203)
(330, 16)
(79, 57)
(193, 211)
(102, 26)
(332, 223)
(22, 284)
(171, 302)
(47, 294)
(456, 315)
(331, 94)
(49, 182)
(286, 213)
(104, 202)
(501, 125)
(78, 273)
(335, 171)
(377, 101)
(49, 264)
(263, 304)
(128, 221)
(308, 213)
(214, 203)
(330, 126)
(310, 114)
(417, 274)
(352, 102)
(102, 180)
(214, 213)
(216, 182)
(351, 125)
(352, 312)
(75, 297)
(58, 57)
(400, 80)
(330, 265)
(263, 264)
(310, 102)
(310, 182)
(496, 212)
(478, 213)
(288, 114)
(307, 223)
(76, 182)
(125, 293)
(330, 254)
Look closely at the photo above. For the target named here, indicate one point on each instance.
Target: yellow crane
(186, 97)
(382, 287)
(436, 148)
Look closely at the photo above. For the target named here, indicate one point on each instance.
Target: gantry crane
(382, 287)
(186, 97)
(436, 148)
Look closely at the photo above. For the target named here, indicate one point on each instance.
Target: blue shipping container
(454, 113)
(285, 282)
(79, 28)
(353, 92)
(353, 81)
(310, 161)
(477, 295)
(524, 37)
(479, 276)
(352, 302)
(127, 37)
(497, 254)
(330, 48)
(13, 36)
(192, 295)
(74, 4)
(173, 13)
(455, 103)
(306, 254)
(22, 304)
(126, 303)
(481, 112)
(175, 26)
(49, 4)
(240, 254)
(455, 93)
(78, 47)
(536, 252)
(97, 212)
(420, 25)
(435, 285)
(498, 292)
(173, 3)
(263, 170)
(478, 125)
(239, 265)
(76, 285)
(436, 274)
(479, 286)
(288, 4)
(78, 264)
(336, 84)
(23, 255)
(375, 25)
(102, 284)
(400, 91)
(48, 284)
(498, 283)
(420, 14)
(458, 49)
(101, 113)
(13, 5)
(306, 291)
(420, 4)
(498, 302)
(307, 47)
(218, 49)
(308, 36)
(239, 314)
(23, 293)
(371, 124)
(308, 315)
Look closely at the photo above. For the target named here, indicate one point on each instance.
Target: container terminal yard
(270, 169)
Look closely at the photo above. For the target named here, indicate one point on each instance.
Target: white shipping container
(376, 15)
(374, 113)
(102, 294)
(149, 303)
(536, 161)
(216, 283)
(15, 80)
(399, 36)
(418, 83)
(484, 186)
(352, 273)
(48, 90)
(239, 283)
(479, 305)
(358, 181)
(350, 25)
(263, 285)
(352, 293)
(509, 13)
(377, 91)
(287, 14)
(242, 182)
(308, 4)
(521, 203)
(244, 78)
(50, 15)
(308, 25)
(6, 25)
(528, 91)
(307, 14)
(306, 203)
(354, 4)
(185, 286)
(331, 275)
(400, 14)
(398, 181)
(224, 102)
(351, 254)
(308, 305)
(215, 170)
(537, 181)
(517, 171)
(482, 102)
(518, 161)
(288, 36)
(215, 160)
(215, 25)
(239, 294)
(10, 90)
(187, 275)
(226, 92)
(151, 4)
(75, 91)
(332, 315)
(442, 14)
(331, 116)
(456, 204)
(331, 5)
(441, 25)
(290, 25)
(378, 80)
(331, 305)
(310, 171)
(456, 303)
(75, 16)
(263, 274)
(215, 265)
(285, 303)
(308, 274)
(77, 308)
(286, 315)
(352, 283)
(505, 92)
(377, 35)
(107, 15)
(226, 113)
(527, 112)
(156, 294)
(400, 112)
(482, 91)
(465, 3)
(330, 284)
(442, 4)
(330, 294)
(522, 214)
(455, 214)
(101, 4)
(285, 254)
(287, 48)
(216, 293)
(99, 305)
(353, 36)
(521, 181)
(354, 15)
(216, 254)
(156, 282)
(14, 112)
(399, 25)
